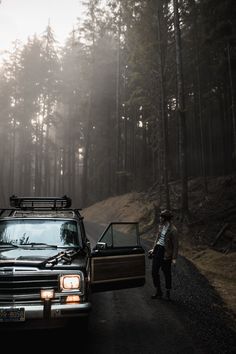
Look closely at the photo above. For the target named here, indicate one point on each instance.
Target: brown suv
(47, 268)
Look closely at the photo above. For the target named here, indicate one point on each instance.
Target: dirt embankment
(208, 238)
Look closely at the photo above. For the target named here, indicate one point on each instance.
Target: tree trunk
(181, 112)
(163, 110)
(199, 97)
(118, 107)
(232, 101)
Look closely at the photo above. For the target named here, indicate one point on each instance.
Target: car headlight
(70, 282)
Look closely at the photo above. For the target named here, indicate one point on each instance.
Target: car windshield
(60, 233)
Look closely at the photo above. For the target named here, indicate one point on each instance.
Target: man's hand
(174, 261)
(150, 253)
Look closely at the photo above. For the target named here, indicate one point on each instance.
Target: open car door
(118, 259)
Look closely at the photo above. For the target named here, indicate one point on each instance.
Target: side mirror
(88, 243)
(101, 246)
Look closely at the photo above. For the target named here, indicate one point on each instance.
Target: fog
(138, 96)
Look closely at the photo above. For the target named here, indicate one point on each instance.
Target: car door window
(121, 235)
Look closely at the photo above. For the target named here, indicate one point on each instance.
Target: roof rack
(40, 203)
(39, 212)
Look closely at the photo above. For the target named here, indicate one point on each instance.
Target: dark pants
(158, 262)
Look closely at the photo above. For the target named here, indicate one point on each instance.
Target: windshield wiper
(65, 256)
(32, 244)
(4, 244)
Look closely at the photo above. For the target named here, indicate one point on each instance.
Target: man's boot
(167, 294)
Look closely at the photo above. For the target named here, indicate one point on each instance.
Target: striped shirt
(163, 232)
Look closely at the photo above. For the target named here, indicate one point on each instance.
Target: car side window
(121, 235)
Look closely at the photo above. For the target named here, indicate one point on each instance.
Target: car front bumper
(46, 315)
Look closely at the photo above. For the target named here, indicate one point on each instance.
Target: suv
(48, 269)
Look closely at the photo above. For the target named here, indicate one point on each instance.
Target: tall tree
(50, 66)
(163, 103)
(181, 110)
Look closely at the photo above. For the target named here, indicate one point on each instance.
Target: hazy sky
(22, 18)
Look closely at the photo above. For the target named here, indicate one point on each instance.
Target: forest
(142, 94)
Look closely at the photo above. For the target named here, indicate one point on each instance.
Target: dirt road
(129, 321)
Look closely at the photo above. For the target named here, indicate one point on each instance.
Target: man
(164, 253)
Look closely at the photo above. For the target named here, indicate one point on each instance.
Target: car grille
(22, 286)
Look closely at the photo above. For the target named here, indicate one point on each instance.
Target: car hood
(24, 254)
(33, 257)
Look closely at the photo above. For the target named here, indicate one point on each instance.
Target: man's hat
(166, 214)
